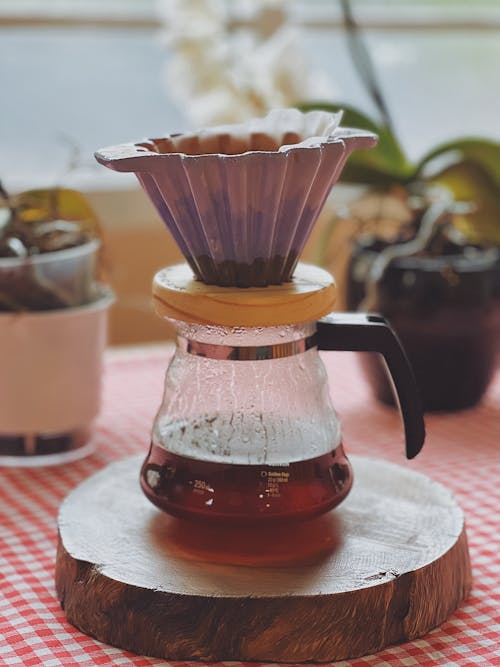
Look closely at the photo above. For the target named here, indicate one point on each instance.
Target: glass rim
(66, 254)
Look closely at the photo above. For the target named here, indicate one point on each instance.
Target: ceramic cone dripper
(241, 200)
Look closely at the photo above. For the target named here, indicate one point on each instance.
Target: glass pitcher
(246, 431)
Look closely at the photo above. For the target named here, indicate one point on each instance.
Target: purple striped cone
(242, 200)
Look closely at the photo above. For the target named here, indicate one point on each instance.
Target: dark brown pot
(446, 311)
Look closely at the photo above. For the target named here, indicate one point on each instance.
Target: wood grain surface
(388, 565)
(308, 296)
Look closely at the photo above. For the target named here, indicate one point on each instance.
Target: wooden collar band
(307, 297)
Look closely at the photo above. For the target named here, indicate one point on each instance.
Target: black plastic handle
(362, 332)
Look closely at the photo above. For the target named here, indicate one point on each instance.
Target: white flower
(220, 106)
(221, 74)
(278, 70)
(178, 13)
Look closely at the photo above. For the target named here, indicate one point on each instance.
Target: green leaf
(470, 181)
(483, 152)
(383, 165)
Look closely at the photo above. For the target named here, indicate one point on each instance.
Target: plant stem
(363, 63)
(5, 196)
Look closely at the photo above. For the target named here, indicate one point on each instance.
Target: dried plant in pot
(53, 310)
(405, 247)
(429, 261)
(441, 293)
(431, 265)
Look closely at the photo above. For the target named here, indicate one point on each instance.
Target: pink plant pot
(50, 385)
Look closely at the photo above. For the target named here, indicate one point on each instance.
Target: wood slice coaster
(388, 565)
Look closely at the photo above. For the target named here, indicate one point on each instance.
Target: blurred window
(79, 74)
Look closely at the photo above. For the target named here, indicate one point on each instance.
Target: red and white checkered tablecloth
(462, 451)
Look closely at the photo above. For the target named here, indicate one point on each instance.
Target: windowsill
(376, 15)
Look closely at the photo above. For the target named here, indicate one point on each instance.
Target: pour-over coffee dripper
(246, 431)
(241, 200)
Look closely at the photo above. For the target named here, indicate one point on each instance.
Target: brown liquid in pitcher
(226, 493)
